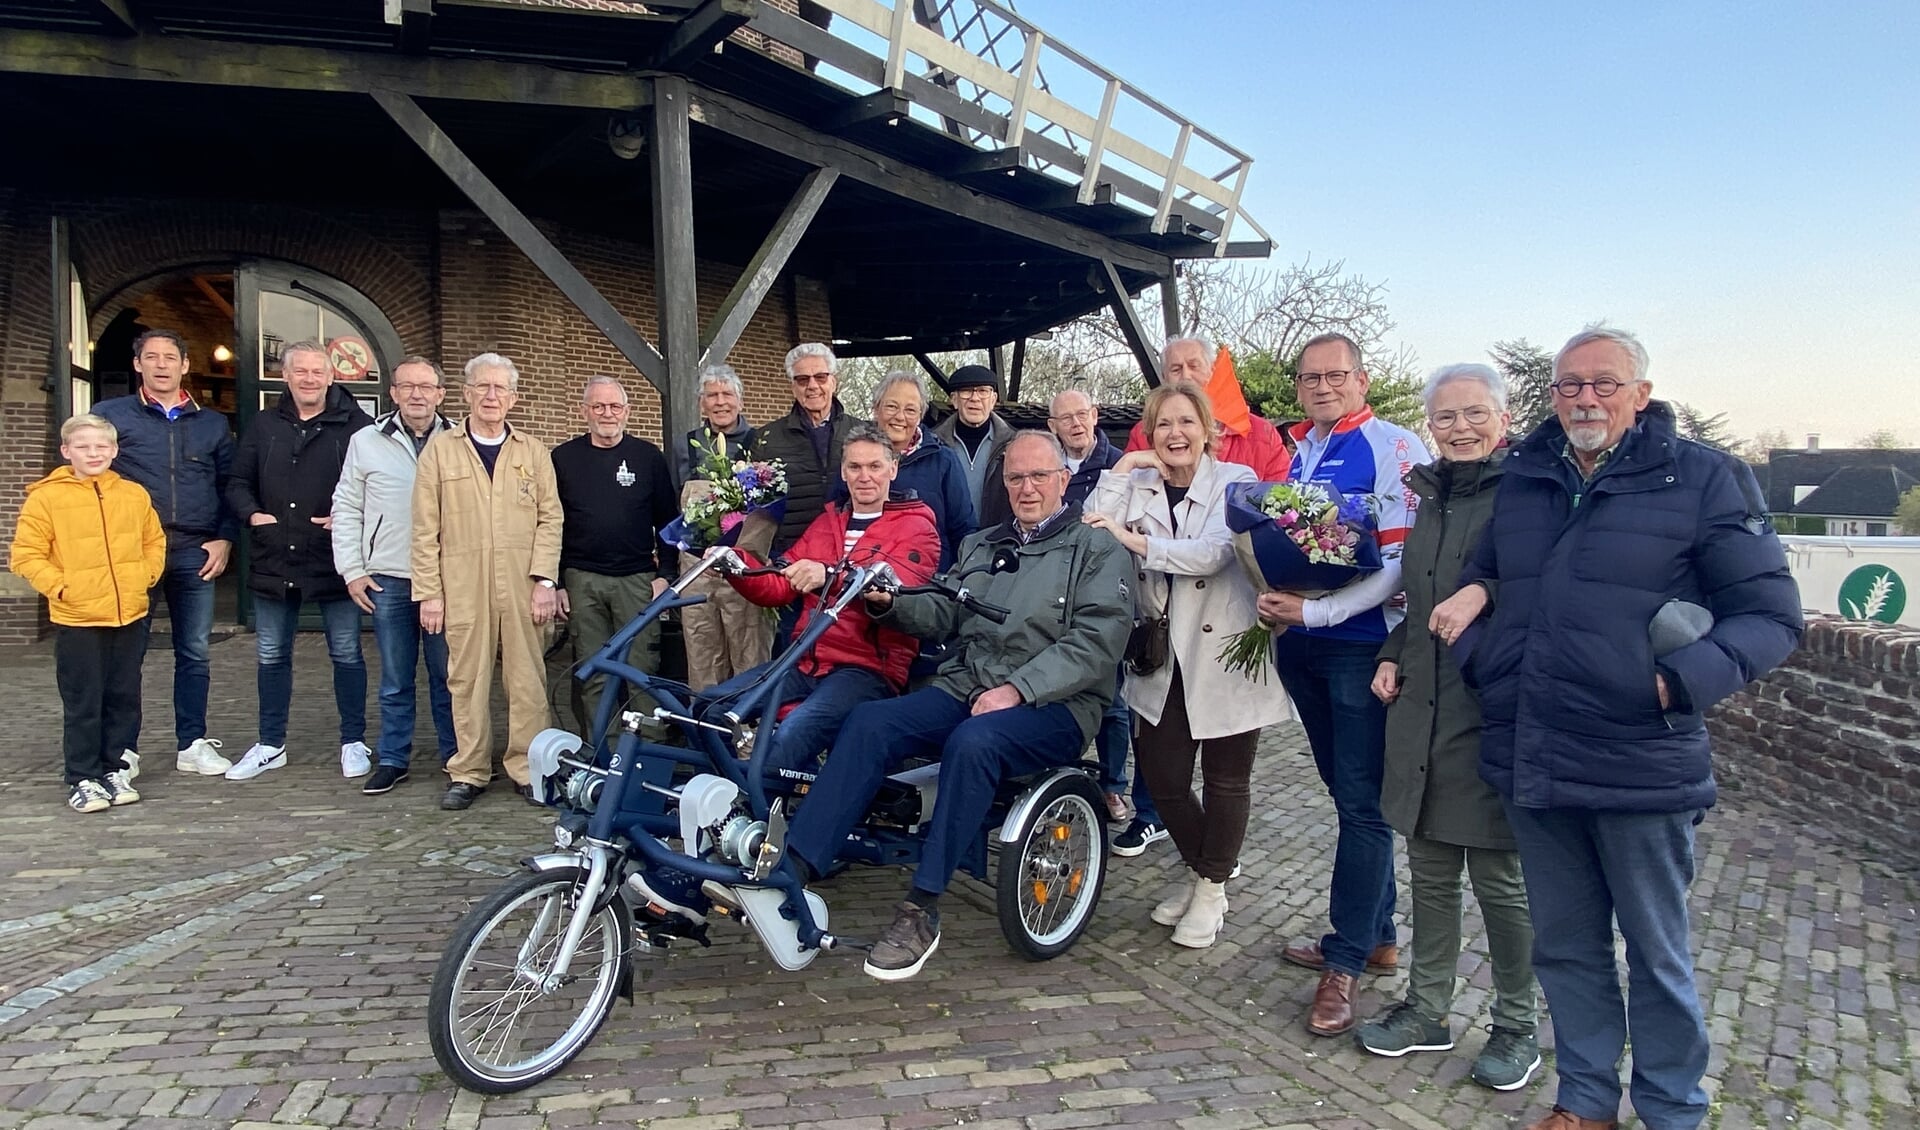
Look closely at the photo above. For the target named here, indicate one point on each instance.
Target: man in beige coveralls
(486, 553)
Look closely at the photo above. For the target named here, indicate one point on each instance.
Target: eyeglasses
(1033, 478)
(484, 390)
(409, 388)
(973, 390)
(611, 409)
(812, 378)
(1334, 378)
(1476, 415)
(1082, 414)
(890, 408)
(1602, 387)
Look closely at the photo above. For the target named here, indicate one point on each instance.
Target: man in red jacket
(857, 660)
(1244, 438)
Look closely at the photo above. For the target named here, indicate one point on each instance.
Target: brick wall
(449, 282)
(1834, 733)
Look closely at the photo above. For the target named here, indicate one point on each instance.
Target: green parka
(1432, 788)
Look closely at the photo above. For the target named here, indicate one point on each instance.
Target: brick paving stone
(259, 953)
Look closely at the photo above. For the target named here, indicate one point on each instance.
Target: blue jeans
(401, 640)
(1330, 682)
(1111, 742)
(1584, 871)
(190, 622)
(976, 754)
(275, 620)
(825, 701)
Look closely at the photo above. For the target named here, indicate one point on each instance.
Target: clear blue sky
(1739, 183)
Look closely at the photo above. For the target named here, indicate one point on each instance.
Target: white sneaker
(258, 760)
(1174, 907)
(202, 757)
(356, 760)
(1201, 924)
(132, 761)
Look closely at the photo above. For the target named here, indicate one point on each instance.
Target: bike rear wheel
(1050, 875)
(498, 1018)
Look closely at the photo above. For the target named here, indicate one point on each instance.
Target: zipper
(372, 539)
(107, 531)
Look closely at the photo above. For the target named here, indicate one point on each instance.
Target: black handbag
(1147, 646)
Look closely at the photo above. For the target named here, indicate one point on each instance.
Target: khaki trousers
(725, 636)
(505, 628)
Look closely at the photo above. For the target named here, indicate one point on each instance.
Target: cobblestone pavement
(228, 954)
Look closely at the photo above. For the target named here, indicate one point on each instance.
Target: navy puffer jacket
(1564, 666)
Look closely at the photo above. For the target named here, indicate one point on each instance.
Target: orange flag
(1229, 402)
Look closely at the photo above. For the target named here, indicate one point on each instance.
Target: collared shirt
(1026, 535)
(171, 411)
(1599, 461)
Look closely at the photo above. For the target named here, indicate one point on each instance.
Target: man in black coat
(284, 472)
(807, 442)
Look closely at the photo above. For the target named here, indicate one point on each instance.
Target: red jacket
(1261, 448)
(904, 536)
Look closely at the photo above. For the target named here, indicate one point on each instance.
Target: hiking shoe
(525, 792)
(1401, 1030)
(1509, 1060)
(1138, 835)
(384, 778)
(907, 944)
(460, 795)
(202, 757)
(131, 760)
(258, 760)
(120, 790)
(356, 760)
(90, 796)
(671, 891)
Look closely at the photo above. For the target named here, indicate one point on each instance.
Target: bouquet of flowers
(738, 489)
(1296, 537)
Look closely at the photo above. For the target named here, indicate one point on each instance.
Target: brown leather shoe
(1332, 1011)
(1384, 959)
(1566, 1120)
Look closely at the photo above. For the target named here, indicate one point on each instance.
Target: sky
(1736, 182)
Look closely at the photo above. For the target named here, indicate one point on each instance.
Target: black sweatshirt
(614, 501)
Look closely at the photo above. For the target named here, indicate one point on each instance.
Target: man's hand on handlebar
(806, 576)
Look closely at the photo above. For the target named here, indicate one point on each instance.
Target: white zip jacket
(373, 504)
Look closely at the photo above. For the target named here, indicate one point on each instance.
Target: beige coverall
(478, 544)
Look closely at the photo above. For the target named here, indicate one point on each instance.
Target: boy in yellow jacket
(91, 543)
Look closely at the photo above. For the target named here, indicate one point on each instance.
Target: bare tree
(1760, 448)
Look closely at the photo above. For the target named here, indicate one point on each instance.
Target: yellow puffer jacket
(93, 548)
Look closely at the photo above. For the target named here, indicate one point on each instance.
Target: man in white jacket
(372, 548)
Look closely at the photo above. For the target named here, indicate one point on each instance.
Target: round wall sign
(1873, 592)
(351, 356)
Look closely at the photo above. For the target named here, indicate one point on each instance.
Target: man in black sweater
(615, 494)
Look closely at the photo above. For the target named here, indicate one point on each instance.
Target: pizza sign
(351, 357)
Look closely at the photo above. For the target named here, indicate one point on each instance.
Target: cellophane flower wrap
(739, 489)
(1295, 537)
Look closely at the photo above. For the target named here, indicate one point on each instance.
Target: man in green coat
(1010, 699)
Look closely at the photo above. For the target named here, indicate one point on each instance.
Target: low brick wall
(1834, 733)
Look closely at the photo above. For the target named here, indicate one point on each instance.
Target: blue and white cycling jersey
(1364, 455)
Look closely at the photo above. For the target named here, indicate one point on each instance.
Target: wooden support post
(933, 371)
(669, 152)
(1170, 305)
(513, 223)
(1130, 326)
(731, 320)
(1019, 370)
(699, 31)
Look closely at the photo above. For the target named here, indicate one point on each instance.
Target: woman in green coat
(1432, 793)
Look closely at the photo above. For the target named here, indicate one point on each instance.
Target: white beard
(1587, 438)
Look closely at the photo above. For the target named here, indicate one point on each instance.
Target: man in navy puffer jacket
(1593, 733)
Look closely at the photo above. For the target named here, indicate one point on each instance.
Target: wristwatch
(544, 583)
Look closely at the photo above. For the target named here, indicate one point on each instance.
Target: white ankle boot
(1174, 907)
(1201, 924)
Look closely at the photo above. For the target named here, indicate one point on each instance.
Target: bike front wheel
(1051, 873)
(500, 1018)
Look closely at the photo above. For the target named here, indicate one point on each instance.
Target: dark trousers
(98, 672)
(1330, 682)
(1210, 828)
(1585, 871)
(189, 602)
(403, 643)
(976, 753)
(825, 702)
(275, 622)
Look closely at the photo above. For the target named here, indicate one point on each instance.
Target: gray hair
(811, 349)
(1040, 436)
(1353, 348)
(866, 431)
(593, 382)
(293, 347)
(900, 377)
(1469, 371)
(717, 374)
(491, 361)
(1207, 348)
(1600, 331)
(439, 378)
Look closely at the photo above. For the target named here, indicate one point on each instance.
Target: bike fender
(552, 861)
(1023, 804)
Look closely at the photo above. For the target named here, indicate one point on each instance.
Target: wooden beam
(1019, 370)
(988, 162)
(881, 106)
(696, 35)
(675, 288)
(114, 14)
(731, 320)
(933, 371)
(460, 169)
(1130, 326)
(219, 300)
(1170, 306)
(782, 135)
(211, 62)
(416, 26)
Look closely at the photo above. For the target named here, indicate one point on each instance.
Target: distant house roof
(1859, 492)
(1787, 469)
